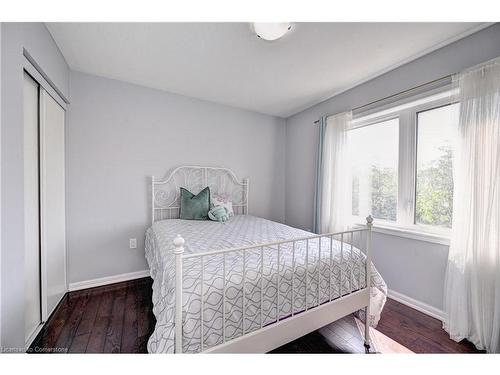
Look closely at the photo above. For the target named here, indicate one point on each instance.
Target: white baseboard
(417, 305)
(107, 280)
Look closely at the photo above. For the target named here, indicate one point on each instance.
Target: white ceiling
(226, 63)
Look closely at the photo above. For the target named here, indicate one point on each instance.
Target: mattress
(303, 266)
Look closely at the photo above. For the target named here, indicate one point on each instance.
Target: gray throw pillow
(195, 207)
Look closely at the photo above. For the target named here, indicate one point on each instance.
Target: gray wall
(411, 267)
(120, 134)
(35, 38)
(0, 186)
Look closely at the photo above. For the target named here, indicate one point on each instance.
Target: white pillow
(224, 201)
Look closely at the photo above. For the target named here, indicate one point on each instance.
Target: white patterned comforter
(347, 266)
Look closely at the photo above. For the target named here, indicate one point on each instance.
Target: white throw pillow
(224, 201)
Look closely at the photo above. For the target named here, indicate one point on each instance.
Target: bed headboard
(165, 194)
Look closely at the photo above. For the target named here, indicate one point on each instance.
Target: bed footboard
(321, 305)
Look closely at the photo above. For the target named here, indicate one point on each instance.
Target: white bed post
(179, 249)
(369, 224)
(245, 195)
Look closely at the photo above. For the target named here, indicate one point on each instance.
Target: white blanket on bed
(242, 315)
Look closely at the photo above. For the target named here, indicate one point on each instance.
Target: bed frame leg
(369, 224)
(367, 331)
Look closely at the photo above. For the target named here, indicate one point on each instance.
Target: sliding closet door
(32, 312)
(52, 202)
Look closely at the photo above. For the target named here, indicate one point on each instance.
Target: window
(402, 164)
(375, 169)
(436, 133)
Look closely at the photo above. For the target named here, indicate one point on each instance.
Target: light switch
(133, 243)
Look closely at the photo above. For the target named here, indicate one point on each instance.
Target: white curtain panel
(472, 285)
(336, 179)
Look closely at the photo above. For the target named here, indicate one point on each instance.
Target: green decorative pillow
(195, 207)
(219, 213)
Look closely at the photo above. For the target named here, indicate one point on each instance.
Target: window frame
(407, 114)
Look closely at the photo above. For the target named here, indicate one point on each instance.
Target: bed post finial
(179, 244)
(178, 251)
(369, 220)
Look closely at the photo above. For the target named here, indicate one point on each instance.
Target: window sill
(440, 239)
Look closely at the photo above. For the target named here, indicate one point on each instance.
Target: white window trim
(406, 111)
(416, 232)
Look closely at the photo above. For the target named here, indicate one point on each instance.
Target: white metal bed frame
(165, 205)
(165, 194)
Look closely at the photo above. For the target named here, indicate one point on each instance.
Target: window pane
(375, 169)
(436, 137)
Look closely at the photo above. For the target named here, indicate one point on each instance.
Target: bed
(249, 284)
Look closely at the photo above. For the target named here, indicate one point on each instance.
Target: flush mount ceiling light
(270, 30)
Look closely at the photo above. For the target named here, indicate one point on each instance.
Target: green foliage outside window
(435, 191)
(384, 193)
(434, 204)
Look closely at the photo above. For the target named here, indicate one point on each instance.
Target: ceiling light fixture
(270, 30)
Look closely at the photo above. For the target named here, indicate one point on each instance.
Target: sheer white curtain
(335, 184)
(472, 285)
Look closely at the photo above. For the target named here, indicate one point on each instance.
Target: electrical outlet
(132, 243)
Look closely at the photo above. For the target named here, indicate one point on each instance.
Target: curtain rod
(447, 77)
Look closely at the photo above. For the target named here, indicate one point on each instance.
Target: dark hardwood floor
(418, 331)
(111, 319)
(118, 318)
